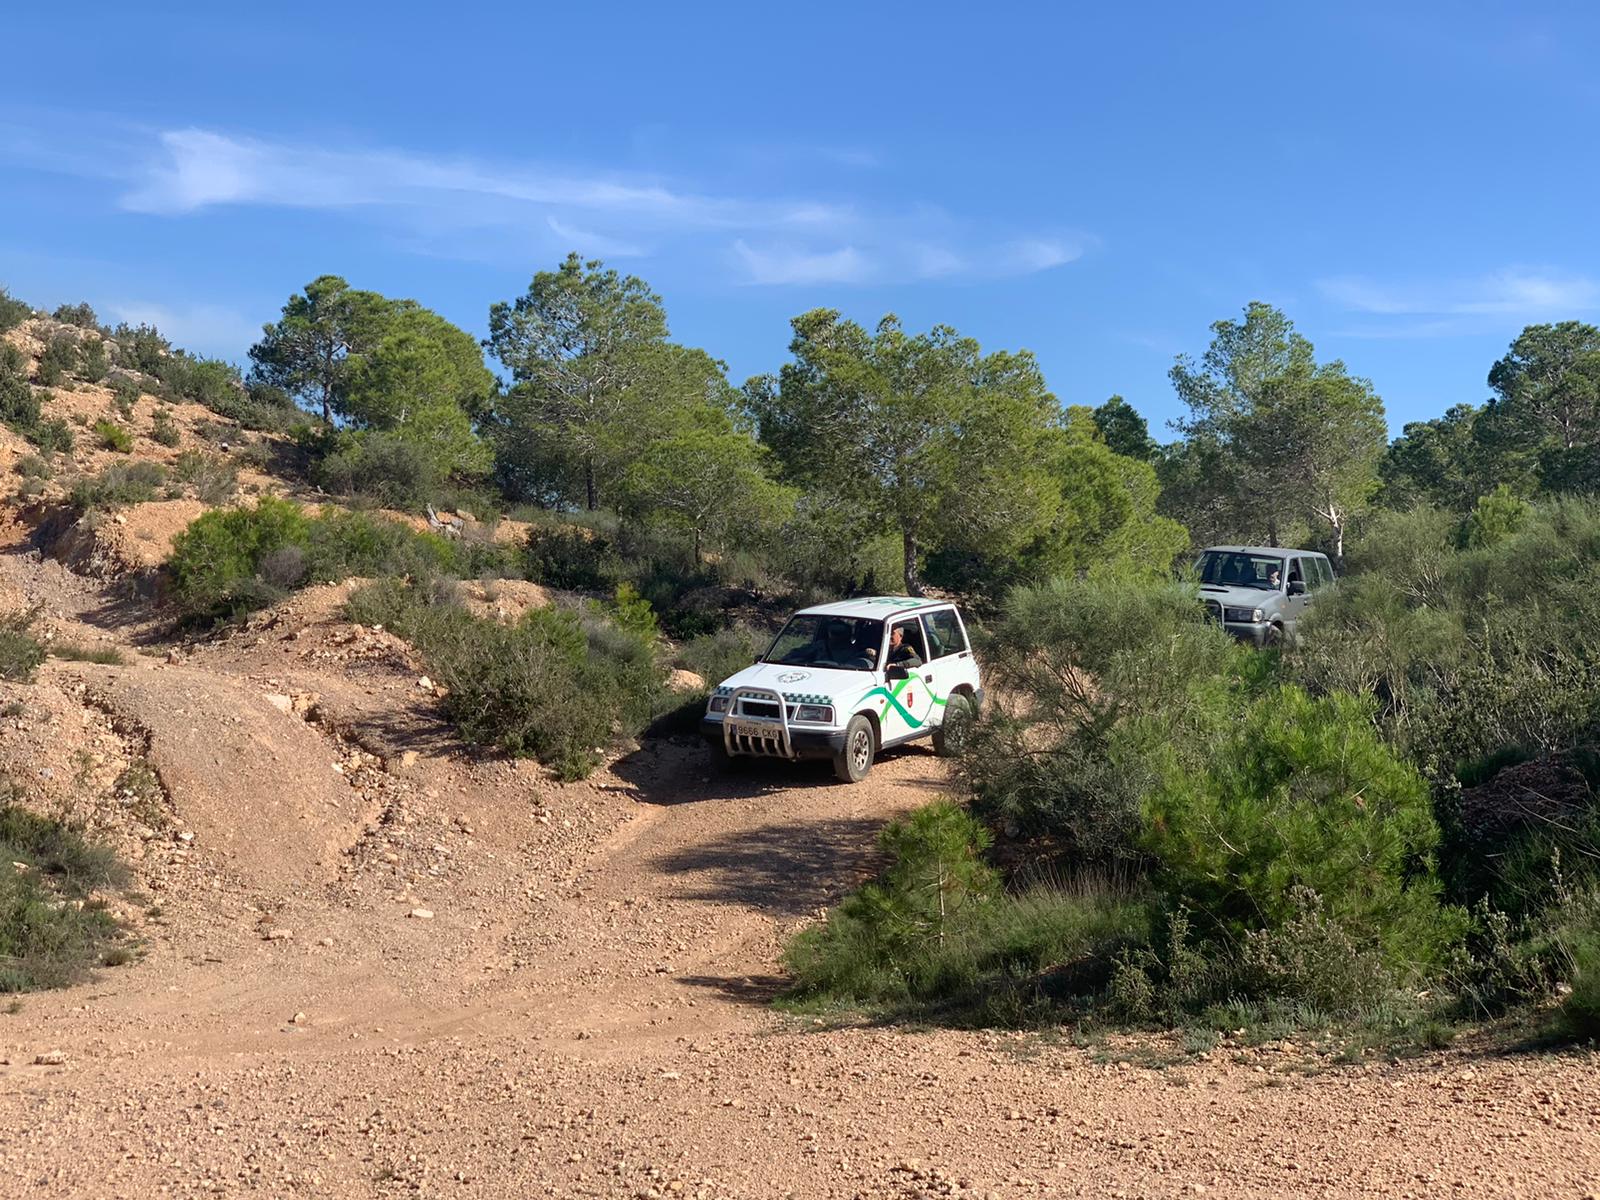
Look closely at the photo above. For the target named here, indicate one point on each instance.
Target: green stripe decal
(894, 700)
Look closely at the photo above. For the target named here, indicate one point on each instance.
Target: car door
(908, 701)
(1293, 606)
(952, 664)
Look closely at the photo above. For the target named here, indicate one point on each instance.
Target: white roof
(877, 607)
(1265, 551)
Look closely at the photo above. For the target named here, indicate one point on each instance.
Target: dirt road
(379, 966)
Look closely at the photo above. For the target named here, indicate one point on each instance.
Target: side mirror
(1297, 587)
(897, 671)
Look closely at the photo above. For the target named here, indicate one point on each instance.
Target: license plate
(756, 729)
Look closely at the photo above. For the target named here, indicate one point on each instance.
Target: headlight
(820, 714)
(1258, 616)
(718, 704)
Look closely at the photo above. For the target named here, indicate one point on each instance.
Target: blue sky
(1411, 183)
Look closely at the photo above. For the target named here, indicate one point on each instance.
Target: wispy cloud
(439, 204)
(790, 264)
(1516, 292)
(205, 328)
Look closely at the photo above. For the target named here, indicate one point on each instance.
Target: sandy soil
(378, 965)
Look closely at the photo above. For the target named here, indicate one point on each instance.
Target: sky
(1411, 183)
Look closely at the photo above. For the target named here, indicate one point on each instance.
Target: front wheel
(950, 735)
(853, 762)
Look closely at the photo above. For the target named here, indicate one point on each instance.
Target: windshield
(812, 640)
(1235, 568)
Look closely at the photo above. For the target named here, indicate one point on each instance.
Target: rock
(298, 1019)
(408, 759)
(50, 1058)
(327, 941)
(421, 914)
(174, 658)
(280, 702)
(278, 935)
(425, 684)
(304, 703)
(685, 681)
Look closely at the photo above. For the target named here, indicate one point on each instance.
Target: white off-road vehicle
(1259, 593)
(844, 681)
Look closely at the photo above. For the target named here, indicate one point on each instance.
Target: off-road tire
(950, 734)
(853, 762)
(1274, 638)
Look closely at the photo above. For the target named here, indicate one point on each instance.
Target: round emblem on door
(794, 676)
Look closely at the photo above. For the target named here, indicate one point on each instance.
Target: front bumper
(1255, 634)
(803, 743)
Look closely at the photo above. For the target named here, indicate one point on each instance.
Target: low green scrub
(13, 312)
(113, 437)
(715, 656)
(231, 561)
(119, 484)
(936, 935)
(20, 652)
(559, 685)
(162, 430)
(71, 652)
(52, 931)
(213, 478)
(58, 359)
(573, 557)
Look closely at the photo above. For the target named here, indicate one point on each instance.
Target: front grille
(1240, 616)
(755, 708)
(1213, 610)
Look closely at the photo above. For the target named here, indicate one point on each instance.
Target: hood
(801, 685)
(1239, 597)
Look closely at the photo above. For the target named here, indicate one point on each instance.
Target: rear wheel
(853, 762)
(950, 735)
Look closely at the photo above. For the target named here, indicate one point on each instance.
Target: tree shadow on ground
(756, 991)
(783, 870)
(679, 770)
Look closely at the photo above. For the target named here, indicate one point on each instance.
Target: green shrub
(119, 484)
(19, 407)
(31, 466)
(232, 560)
(93, 364)
(58, 359)
(53, 436)
(79, 314)
(632, 612)
(49, 937)
(13, 312)
(142, 347)
(715, 656)
(20, 652)
(343, 545)
(935, 936)
(162, 430)
(383, 466)
(546, 686)
(1302, 793)
(105, 655)
(1580, 944)
(571, 556)
(113, 437)
(125, 394)
(213, 478)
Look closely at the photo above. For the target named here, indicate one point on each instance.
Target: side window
(1327, 571)
(1295, 572)
(944, 633)
(1319, 572)
(911, 636)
